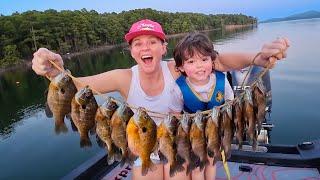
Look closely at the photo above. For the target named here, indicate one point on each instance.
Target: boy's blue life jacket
(192, 103)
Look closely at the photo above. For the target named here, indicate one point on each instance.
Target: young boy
(200, 87)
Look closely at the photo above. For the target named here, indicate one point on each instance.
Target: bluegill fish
(197, 139)
(119, 122)
(142, 136)
(239, 121)
(259, 102)
(227, 129)
(249, 117)
(166, 134)
(212, 135)
(83, 111)
(103, 128)
(60, 93)
(184, 149)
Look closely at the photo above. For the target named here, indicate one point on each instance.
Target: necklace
(209, 93)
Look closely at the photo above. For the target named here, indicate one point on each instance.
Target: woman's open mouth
(147, 59)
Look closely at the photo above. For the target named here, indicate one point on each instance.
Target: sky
(262, 9)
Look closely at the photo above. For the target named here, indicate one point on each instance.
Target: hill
(305, 15)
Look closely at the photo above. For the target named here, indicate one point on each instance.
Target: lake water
(30, 149)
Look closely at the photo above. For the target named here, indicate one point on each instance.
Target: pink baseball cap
(145, 27)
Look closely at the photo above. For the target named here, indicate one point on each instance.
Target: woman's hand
(271, 52)
(41, 64)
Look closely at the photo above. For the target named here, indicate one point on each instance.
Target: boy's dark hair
(193, 42)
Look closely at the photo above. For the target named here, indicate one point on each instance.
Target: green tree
(11, 55)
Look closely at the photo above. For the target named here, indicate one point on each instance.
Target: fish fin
(68, 116)
(146, 166)
(155, 149)
(214, 161)
(100, 142)
(194, 158)
(73, 126)
(240, 145)
(48, 111)
(92, 131)
(175, 167)
(162, 157)
(228, 154)
(217, 156)
(254, 145)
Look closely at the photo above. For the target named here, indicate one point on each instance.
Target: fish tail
(125, 156)
(85, 140)
(113, 154)
(194, 160)
(254, 145)
(60, 126)
(110, 158)
(147, 165)
(176, 167)
(117, 153)
(190, 167)
(130, 157)
(240, 145)
(203, 163)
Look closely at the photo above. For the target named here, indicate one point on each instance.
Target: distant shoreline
(27, 63)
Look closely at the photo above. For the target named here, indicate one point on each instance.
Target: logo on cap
(144, 26)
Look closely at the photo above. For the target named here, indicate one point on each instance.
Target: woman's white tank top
(159, 103)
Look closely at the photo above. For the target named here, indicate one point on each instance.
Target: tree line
(73, 31)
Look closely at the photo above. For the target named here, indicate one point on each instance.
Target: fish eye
(83, 106)
(62, 90)
(144, 129)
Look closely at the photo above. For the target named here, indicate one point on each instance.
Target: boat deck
(238, 171)
(268, 162)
